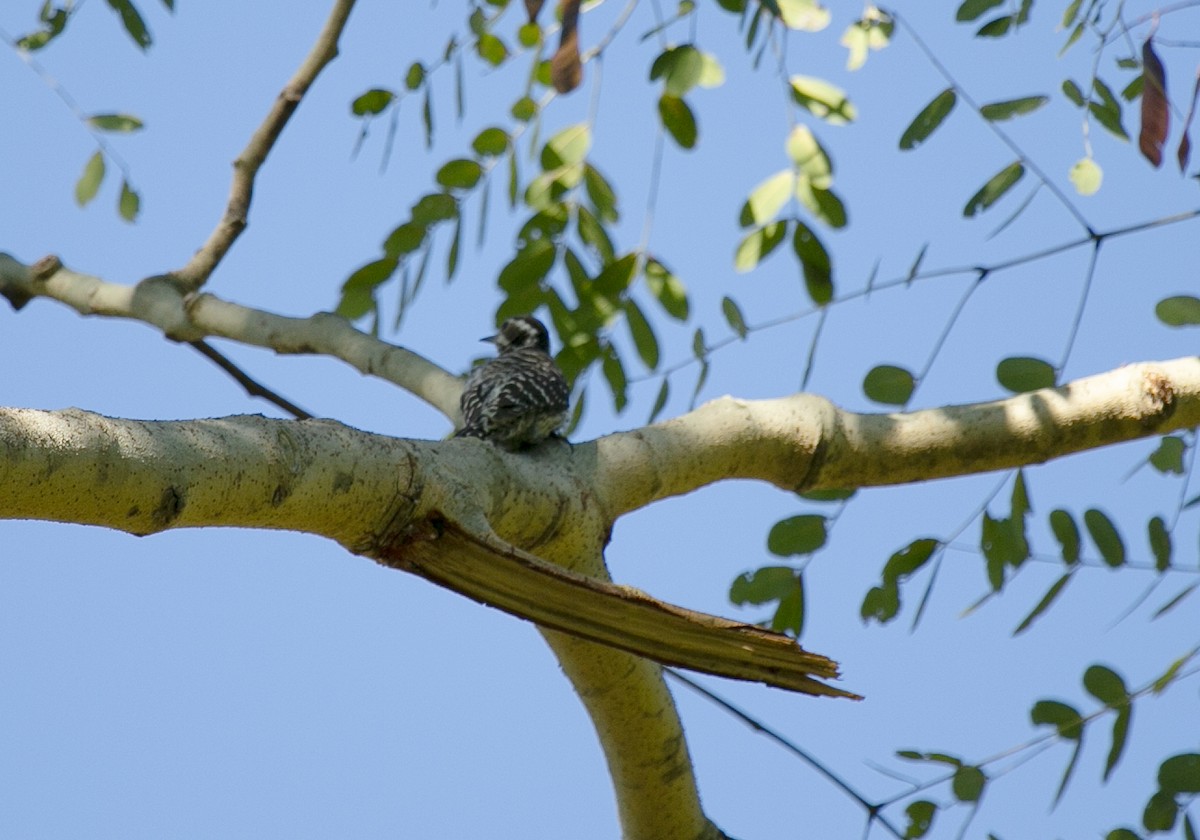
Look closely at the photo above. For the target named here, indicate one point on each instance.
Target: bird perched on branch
(519, 398)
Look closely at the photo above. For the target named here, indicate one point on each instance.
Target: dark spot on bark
(170, 505)
(342, 482)
(133, 511)
(280, 495)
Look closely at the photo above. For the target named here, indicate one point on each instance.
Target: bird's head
(519, 333)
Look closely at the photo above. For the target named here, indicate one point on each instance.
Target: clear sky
(226, 683)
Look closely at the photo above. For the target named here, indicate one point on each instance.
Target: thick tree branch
(158, 302)
(193, 275)
(401, 502)
(805, 442)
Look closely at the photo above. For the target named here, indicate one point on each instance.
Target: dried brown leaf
(1156, 113)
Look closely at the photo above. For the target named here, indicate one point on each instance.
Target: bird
(520, 398)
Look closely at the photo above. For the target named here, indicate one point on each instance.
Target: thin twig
(252, 386)
(193, 275)
(871, 808)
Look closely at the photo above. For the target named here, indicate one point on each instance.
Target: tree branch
(805, 442)
(158, 302)
(252, 386)
(408, 504)
(193, 275)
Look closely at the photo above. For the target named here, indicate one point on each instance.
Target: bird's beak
(491, 338)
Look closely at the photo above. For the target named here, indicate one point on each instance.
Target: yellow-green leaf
(89, 182)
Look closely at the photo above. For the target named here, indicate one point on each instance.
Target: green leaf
(968, 783)
(1180, 773)
(758, 244)
(679, 67)
(789, 614)
(433, 208)
(491, 142)
(132, 21)
(1160, 543)
(823, 204)
(767, 199)
(1064, 718)
(995, 188)
(1120, 736)
(733, 316)
(461, 173)
(358, 292)
(642, 333)
(815, 263)
(404, 239)
(129, 204)
(822, 99)
(1106, 685)
(809, 158)
(1022, 374)
(615, 277)
(1121, 834)
(996, 28)
(567, 147)
(920, 818)
(89, 182)
(524, 109)
(889, 384)
(600, 193)
(769, 583)
(115, 122)
(660, 401)
(415, 76)
(593, 234)
(970, 10)
(529, 35)
(1179, 311)
(712, 74)
(805, 15)
(614, 374)
(667, 288)
(1172, 673)
(802, 534)
(678, 119)
(1108, 110)
(1168, 458)
(491, 49)
(1067, 534)
(372, 102)
(882, 603)
(1161, 812)
(1073, 93)
(1106, 537)
(528, 267)
(1051, 594)
(1010, 108)
(926, 122)
(1175, 601)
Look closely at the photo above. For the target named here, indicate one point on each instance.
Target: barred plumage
(519, 398)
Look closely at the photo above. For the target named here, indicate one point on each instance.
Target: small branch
(805, 442)
(253, 387)
(157, 301)
(193, 275)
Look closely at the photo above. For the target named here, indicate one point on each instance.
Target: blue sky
(232, 683)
